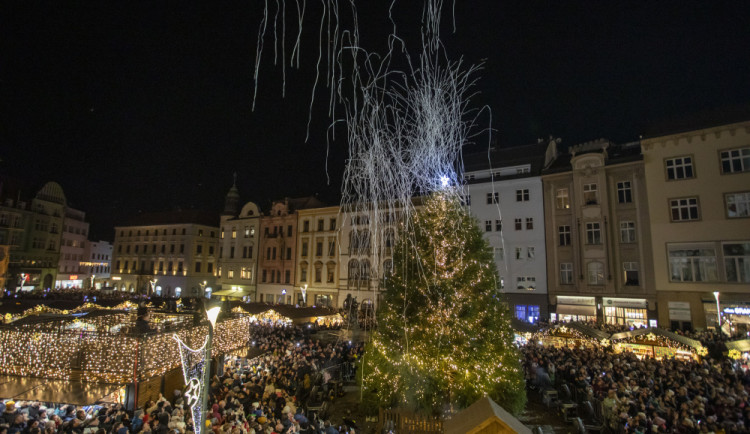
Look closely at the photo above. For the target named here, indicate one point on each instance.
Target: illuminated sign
(73, 277)
(116, 278)
(737, 310)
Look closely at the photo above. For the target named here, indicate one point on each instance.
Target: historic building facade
(504, 193)
(599, 258)
(71, 272)
(98, 262)
(318, 249)
(239, 239)
(168, 254)
(276, 260)
(32, 231)
(699, 197)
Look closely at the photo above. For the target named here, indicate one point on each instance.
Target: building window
(466, 200)
(627, 232)
(498, 225)
(197, 267)
(685, 209)
(693, 265)
(303, 273)
(737, 204)
(593, 233)
(596, 273)
(526, 282)
(624, 192)
(287, 276)
(529, 223)
(288, 253)
(318, 273)
(679, 168)
(630, 270)
(563, 233)
(737, 262)
(245, 272)
(264, 276)
(493, 198)
(319, 248)
(273, 253)
(304, 249)
(530, 253)
(519, 224)
(735, 160)
(590, 196)
(198, 249)
(521, 312)
(230, 274)
(566, 273)
(320, 225)
(306, 226)
(522, 195)
(488, 225)
(519, 253)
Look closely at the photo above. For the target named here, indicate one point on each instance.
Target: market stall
(657, 343)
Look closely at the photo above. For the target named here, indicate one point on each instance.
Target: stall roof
(658, 332)
(588, 331)
(57, 391)
(742, 346)
(482, 415)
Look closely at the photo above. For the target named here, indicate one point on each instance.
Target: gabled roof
(481, 414)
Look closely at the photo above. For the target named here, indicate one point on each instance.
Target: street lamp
(212, 308)
(92, 281)
(23, 279)
(203, 288)
(196, 368)
(304, 294)
(718, 310)
(153, 284)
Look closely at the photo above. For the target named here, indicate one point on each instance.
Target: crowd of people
(272, 393)
(647, 395)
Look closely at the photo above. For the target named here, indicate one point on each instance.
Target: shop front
(680, 317)
(626, 311)
(735, 313)
(571, 308)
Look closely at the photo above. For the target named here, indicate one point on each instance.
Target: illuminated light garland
(193, 367)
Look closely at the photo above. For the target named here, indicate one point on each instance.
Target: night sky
(145, 106)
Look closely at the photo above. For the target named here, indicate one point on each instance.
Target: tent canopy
(57, 391)
(692, 343)
(483, 415)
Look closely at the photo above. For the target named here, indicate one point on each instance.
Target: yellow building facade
(699, 200)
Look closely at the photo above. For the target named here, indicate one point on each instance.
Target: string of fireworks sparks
(405, 128)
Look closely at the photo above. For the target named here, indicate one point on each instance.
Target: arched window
(596, 273)
(365, 270)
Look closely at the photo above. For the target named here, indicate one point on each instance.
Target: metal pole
(718, 311)
(206, 379)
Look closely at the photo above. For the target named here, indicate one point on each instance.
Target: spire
(232, 200)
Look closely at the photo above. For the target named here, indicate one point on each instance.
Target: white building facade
(70, 273)
(504, 193)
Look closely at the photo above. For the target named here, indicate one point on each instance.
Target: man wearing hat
(9, 414)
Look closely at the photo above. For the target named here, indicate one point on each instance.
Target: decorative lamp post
(203, 288)
(153, 285)
(23, 279)
(718, 310)
(196, 369)
(93, 276)
(304, 294)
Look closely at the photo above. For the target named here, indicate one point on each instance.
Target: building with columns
(599, 257)
(169, 254)
(698, 178)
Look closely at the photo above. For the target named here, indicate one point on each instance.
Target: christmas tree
(444, 338)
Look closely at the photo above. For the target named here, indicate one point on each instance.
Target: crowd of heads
(644, 395)
(271, 393)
